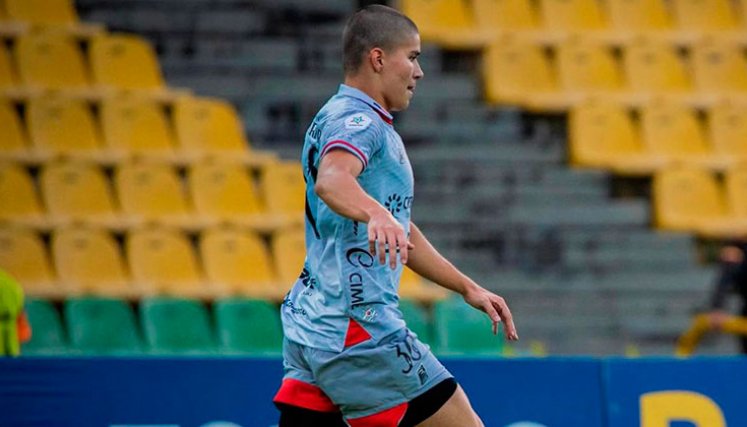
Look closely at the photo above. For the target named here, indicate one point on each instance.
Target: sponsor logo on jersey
(358, 121)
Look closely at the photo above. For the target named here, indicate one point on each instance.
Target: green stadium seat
(463, 330)
(101, 326)
(176, 325)
(416, 319)
(47, 333)
(248, 326)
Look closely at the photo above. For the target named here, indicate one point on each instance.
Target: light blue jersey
(344, 296)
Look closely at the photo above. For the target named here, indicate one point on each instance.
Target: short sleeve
(356, 133)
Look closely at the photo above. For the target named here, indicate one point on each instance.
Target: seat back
(42, 12)
(727, 127)
(150, 191)
(513, 68)
(24, 256)
(673, 129)
(434, 17)
(162, 260)
(704, 14)
(136, 126)
(76, 191)
(176, 325)
(7, 75)
(736, 192)
(18, 193)
(101, 326)
(585, 66)
(683, 197)
(504, 14)
(48, 335)
(653, 66)
(209, 126)
(635, 15)
(62, 125)
(718, 66)
(125, 61)
(571, 15)
(284, 188)
(248, 326)
(12, 133)
(461, 329)
(289, 254)
(237, 260)
(223, 190)
(50, 60)
(600, 132)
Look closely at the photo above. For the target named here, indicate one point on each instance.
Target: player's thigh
(456, 412)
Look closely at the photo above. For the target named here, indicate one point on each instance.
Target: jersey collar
(346, 90)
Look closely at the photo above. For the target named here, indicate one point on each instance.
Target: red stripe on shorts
(304, 395)
(356, 334)
(388, 418)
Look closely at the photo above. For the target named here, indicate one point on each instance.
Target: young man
(347, 352)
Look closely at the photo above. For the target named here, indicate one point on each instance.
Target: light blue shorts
(369, 377)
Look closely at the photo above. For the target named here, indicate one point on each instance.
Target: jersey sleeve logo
(358, 121)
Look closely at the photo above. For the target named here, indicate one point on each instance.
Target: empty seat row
(518, 71)
(144, 192)
(91, 325)
(123, 127)
(696, 200)
(475, 22)
(39, 12)
(610, 136)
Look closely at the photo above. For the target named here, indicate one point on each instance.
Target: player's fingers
(403, 246)
(508, 319)
(391, 239)
(372, 241)
(382, 238)
(493, 314)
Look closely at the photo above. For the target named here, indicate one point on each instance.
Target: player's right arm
(337, 186)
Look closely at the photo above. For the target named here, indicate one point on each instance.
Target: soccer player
(14, 326)
(348, 355)
(732, 278)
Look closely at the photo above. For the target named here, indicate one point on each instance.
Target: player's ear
(376, 56)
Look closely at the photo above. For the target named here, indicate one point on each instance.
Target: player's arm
(425, 260)
(337, 185)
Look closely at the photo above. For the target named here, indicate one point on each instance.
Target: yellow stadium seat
(50, 60)
(238, 263)
(125, 61)
(735, 182)
(571, 15)
(446, 22)
(673, 130)
(225, 192)
(89, 261)
(702, 15)
(13, 144)
(412, 286)
(63, 127)
(20, 202)
(491, 15)
(514, 69)
(654, 67)
(150, 192)
(603, 135)
(42, 12)
(585, 68)
(137, 127)
(719, 67)
(163, 261)
(289, 254)
(24, 256)
(284, 190)
(7, 75)
(77, 192)
(727, 128)
(638, 15)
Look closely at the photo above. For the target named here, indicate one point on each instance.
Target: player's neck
(368, 87)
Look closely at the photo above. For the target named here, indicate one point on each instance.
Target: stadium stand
(101, 326)
(176, 326)
(48, 336)
(248, 326)
(463, 330)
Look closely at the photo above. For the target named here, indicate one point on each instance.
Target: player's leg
(456, 412)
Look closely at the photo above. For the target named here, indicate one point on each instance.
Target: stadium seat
(47, 333)
(20, 201)
(602, 135)
(571, 15)
(151, 192)
(209, 127)
(727, 129)
(225, 192)
(7, 75)
(50, 60)
(163, 261)
(687, 199)
(61, 126)
(284, 190)
(248, 326)
(463, 330)
(126, 62)
(24, 256)
(416, 319)
(238, 263)
(101, 326)
(15, 144)
(289, 254)
(631, 16)
(719, 67)
(89, 261)
(514, 69)
(674, 131)
(491, 15)
(412, 286)
(446, 22)
(735, 182)
(176, 326)
(653, 67)
(703, 15)
(42, 12)
(77, 192)
(587, 68)
(136, 127)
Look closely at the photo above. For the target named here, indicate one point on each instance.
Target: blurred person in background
(732, 279)
(14, 326)
(348, 357)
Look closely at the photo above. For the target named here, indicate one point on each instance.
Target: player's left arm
(425, 260)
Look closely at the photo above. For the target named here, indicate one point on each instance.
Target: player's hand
(386, 234)
(717, 318)
(495, 307)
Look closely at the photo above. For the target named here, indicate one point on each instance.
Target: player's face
(401, 72)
